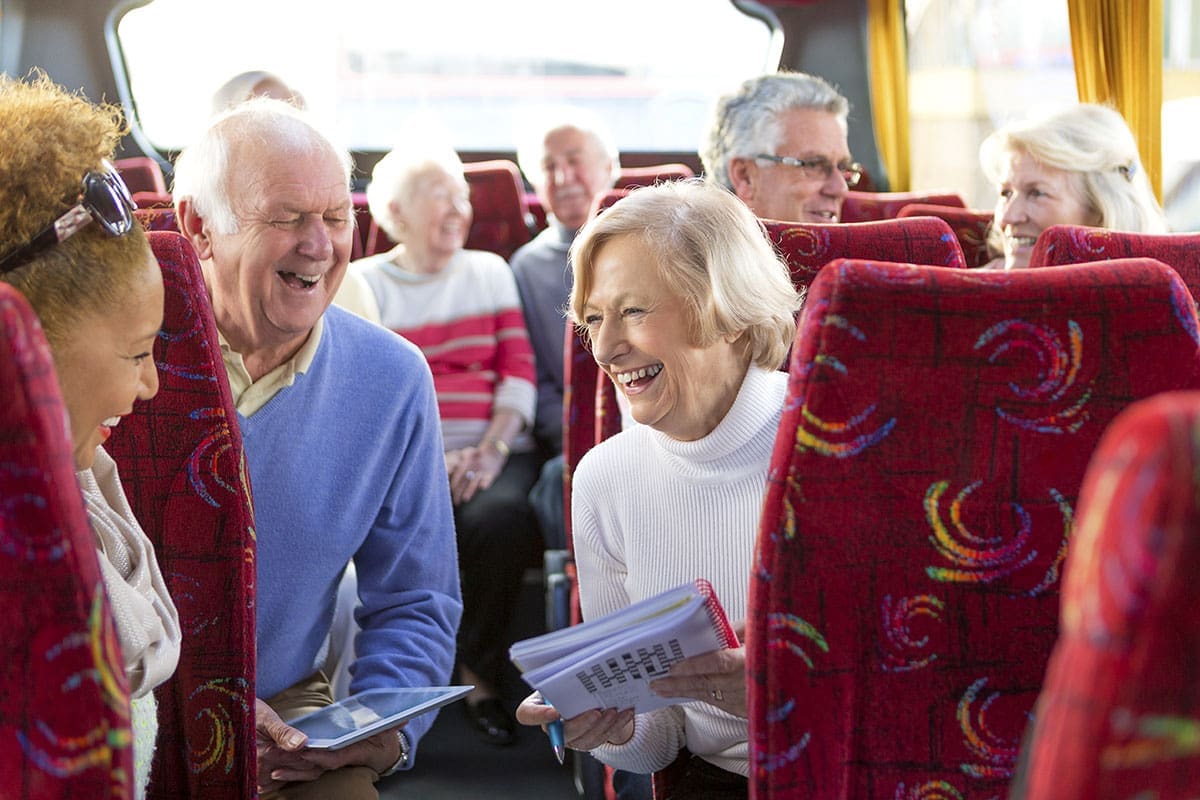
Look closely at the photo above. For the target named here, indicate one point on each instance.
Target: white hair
(202, 170)
(395, 175)
(532, 147)
(746, 122)
(1095, 145)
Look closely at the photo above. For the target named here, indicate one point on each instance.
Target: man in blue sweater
(340, 425)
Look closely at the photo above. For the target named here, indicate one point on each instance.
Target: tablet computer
(359, 716)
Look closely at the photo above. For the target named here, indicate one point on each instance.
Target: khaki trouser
(347, 783)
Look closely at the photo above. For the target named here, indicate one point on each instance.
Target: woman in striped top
(462, 309)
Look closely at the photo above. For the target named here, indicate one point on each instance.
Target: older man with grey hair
(779, 143)
(342, 440)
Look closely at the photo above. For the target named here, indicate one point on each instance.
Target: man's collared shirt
(251, 395)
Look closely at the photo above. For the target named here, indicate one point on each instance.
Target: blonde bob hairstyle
(52, 138)
(707, 243)
(1094, 144)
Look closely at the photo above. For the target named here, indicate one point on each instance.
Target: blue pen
(555, 731)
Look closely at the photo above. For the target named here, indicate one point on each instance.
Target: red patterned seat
(64, 710)
(500, 212)
(868, 206)
(1119, 716)
(970, 225)
(141, 174)
(181, 462)
(1075, 244)
(590, 406)
(157, 218)
(937, 428)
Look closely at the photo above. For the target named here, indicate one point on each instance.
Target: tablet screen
(366, 713)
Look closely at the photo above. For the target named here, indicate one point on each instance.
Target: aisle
(454, 764)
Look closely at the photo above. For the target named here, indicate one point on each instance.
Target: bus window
(1181, 114)
(651, 70)
(973, 66)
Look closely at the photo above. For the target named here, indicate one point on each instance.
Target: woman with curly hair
(70, 245)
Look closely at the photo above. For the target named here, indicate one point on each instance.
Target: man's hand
(379, 752)
(280, 749)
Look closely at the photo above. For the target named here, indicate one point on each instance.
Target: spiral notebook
(609, 662)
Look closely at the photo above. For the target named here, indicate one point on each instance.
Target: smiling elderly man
(779, 143)
(341, 434)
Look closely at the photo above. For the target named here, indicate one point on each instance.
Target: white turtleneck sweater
(650, 512)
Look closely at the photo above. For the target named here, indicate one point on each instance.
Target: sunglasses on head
(103, 199)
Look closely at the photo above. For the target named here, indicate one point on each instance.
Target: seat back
(1076, 244)
(1119, 713)
(141, 174)
(867, 206)
(500, 211)
(181, 462)
(157, 218)
(633, 177)
(970, 226)
(807, 247)
(938, 423)
(64, 711)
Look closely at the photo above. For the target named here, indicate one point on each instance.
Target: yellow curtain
(886, 42)
(1118, 50)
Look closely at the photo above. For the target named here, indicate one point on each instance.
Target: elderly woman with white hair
(1074, 166)
(462, 309)
(689, 312)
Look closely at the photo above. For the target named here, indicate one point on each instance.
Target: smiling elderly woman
(1075, 166)
(98, 293)
(462, 309)
(690, 312)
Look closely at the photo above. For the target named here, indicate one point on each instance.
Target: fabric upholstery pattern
(1119, 715)
(970, 225)
(157, 218)
(1076, 244)
(867, 206)
(64, 712)
(181, 461)
(938, 424)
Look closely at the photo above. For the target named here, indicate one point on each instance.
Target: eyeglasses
(819, 169)
(103, 198)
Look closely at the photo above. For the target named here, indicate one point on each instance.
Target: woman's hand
(471, 470)
(717, 678)
(586, 731)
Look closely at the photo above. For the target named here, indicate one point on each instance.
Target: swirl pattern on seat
(1119, 715)
(182, 465)
(64, 711)
(930, 561)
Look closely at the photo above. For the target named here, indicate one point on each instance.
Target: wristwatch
(499, 445)
(402, 761)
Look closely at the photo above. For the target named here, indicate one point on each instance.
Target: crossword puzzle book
(609, 662)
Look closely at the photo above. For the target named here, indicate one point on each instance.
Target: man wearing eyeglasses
(779, 143)
(342, 439)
